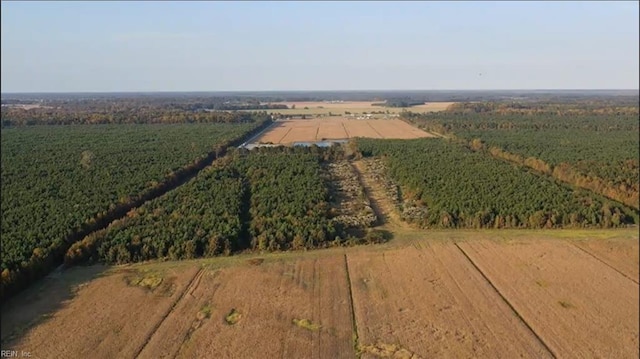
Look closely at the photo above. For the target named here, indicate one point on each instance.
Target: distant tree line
(143, 115)
(399, 102)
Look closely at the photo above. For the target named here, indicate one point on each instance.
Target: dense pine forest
(59, 182)
(265, 200)
(460, 188)
(589, 144)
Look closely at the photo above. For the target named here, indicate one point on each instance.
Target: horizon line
(279, 91)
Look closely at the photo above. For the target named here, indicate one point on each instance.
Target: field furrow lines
(564, 295)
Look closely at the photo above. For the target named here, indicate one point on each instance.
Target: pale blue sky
(235, 46)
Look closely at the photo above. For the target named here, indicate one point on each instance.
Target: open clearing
(482, 294)
(354, 107)
(319, 129)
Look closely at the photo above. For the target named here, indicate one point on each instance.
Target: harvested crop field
(579, 306)
(425, 294)
(318, 129)
(354, 107)
(285, 309)
(429, 300)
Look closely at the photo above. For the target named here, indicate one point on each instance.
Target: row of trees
(12, 116)
(580, 107)
(465, 189)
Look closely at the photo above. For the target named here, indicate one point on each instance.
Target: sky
(287, 46)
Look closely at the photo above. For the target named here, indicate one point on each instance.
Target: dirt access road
(381, 203)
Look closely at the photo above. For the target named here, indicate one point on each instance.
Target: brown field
(621, 255)
(480, 294)
(317, 129)
(429, 300)
(565, 295)
(355, 107)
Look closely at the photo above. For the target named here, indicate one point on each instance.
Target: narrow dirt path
(380, 202)
(193, 284)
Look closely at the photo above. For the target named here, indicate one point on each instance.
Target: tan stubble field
(443, 294)
(319, 129)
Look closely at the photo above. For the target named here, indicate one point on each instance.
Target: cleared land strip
(380, 202)
(381, 211)
(430, 301)
(576, 304)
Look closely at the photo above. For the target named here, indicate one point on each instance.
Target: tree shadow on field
(40, 301)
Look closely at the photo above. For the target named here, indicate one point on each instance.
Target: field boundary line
(505, 300)
(374, 130)
(256, 136)
(354, 324)
(605, 263)
(193, 283)
(285, 135)
(190, 331)
(345, 130)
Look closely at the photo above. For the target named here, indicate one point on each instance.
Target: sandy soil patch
(431, 302)
(578, 306)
